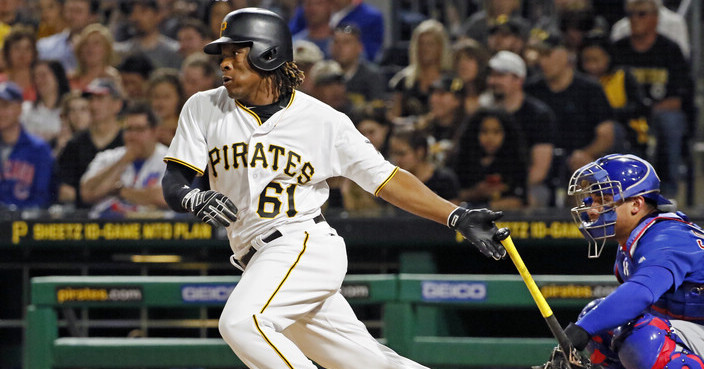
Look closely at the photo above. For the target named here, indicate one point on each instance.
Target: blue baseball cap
(10, 91)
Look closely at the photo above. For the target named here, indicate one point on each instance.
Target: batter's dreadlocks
(285, 79)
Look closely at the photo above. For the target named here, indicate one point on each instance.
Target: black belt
(244, 260)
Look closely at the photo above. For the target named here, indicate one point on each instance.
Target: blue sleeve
(298, 21)
(43, 178)
(628, 300)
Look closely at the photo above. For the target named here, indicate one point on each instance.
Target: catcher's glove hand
(558, 360)
(477, 226)
(211, 207)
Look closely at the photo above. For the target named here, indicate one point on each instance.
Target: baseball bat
(504, 236)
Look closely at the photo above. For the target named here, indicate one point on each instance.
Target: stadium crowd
(494, 109)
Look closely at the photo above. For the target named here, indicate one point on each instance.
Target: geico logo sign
(453, 290)
(206, 293)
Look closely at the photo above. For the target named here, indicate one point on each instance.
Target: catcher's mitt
(558, 360)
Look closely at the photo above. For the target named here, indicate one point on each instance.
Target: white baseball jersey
(148, 175)
(273, 171)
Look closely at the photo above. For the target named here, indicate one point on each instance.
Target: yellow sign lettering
(19, 230)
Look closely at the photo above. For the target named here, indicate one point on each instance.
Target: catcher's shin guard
(651, 344)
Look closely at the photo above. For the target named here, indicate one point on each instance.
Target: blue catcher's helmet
(602, 185)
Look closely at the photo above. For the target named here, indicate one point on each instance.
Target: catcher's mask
(264, 31)
(600, 186)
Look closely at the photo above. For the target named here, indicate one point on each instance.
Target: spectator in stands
(17, 12)
(429, 57)
(19, 51)
(583, 114)
(623, 91)
(363, 80)
(579, 20)
(445, 121)
(573, 19)
(317, 26)
(104, 132)
(192, 36)
(75, 117)
(215, 11)
(78, 14)
(470, 65)
(492, 165)
(51, 18)
(306, 54)
(372, 123)
(478, 24)
(134, 71)
(670, 24)
(127, 179)
(329, 86)
(409, 150)
(366, 17)
(166, 97)
(507, 33)
(198, 73)
(41, 117)
(25, 160)
(535, 119)
(95, 56)
(161, 50)
(660, 67)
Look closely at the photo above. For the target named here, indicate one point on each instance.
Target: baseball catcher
(655, 318)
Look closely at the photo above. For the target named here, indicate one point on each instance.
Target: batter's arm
(209, 206)
(176, 184)
(407, 192)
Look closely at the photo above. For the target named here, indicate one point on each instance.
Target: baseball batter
(268, 150)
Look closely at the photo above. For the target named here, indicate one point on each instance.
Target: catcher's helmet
(619, 177)
(264, 31)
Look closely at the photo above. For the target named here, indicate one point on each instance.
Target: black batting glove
(211, 207)
(477, 226)
(578, 336)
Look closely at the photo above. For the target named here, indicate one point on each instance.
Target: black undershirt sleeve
(176, 184)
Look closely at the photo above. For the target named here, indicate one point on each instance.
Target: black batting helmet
(264, 31)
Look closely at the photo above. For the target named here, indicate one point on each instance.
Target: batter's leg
(260, 345)
(285, 281)
(333, 337)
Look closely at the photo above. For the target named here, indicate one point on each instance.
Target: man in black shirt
(660, 67)
(536, 120)
(365, 83)
(103, 133)
(583, 114)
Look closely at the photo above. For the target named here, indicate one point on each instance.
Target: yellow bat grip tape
(545, 310)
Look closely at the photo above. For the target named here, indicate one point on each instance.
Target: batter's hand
(477, 226)
(211, 207)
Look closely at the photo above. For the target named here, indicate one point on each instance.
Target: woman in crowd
(75, 117)
(95, 56)
(409, 150)
(373, 124)
(166, 97)
(491, 164)
(429, 56)
(20, 51)
(42, 116)
(470, 60)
